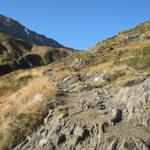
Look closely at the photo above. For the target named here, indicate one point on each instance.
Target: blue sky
(77, 23)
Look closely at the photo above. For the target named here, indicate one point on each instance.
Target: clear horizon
(77, 24)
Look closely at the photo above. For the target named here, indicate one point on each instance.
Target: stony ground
(95, 119)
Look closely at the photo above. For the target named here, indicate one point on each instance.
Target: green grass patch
(22, 82)
(21, 126)
(142, 62)
(113, 77)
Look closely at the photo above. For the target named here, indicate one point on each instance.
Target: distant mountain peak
(15, 29)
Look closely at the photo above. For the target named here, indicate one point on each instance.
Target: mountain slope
(95, 99)
(139, 33)
(16, 30)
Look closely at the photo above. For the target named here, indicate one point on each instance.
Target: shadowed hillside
(17, 54)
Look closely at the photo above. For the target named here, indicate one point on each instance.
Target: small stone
(43, 142)
(45, 120)
(65, 79)
(78, 131)
(96, 79)
(38, 97)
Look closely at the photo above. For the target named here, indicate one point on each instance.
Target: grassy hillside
(122, 60)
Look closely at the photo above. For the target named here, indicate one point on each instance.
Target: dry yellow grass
(60, 74)
(29, 100)
(92, 69)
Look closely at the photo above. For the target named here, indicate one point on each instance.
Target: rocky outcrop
(95, 119)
